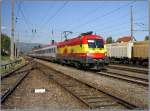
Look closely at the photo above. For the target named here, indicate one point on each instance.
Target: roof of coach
(46, 47)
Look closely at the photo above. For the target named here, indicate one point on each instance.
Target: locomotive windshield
(95, 43)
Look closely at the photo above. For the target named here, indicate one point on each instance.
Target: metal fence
(8, 65)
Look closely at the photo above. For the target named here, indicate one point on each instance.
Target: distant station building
(125, 39)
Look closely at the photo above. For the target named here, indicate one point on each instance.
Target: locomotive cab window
(95, 43)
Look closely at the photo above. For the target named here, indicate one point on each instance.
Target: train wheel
(77, 65)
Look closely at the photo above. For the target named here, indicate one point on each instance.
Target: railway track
(125, 73)
(136, 80)
(90, 96)
(124, 76)
(11, 80)
(129, 68)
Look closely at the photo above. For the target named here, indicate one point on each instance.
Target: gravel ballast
(55, 96)
(132, 93)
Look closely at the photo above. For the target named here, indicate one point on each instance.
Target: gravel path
(54, 97)
(132, 93)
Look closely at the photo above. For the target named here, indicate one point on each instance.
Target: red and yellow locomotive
(84, 51)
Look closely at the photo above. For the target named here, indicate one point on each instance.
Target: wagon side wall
(140, 50)
(120, 50)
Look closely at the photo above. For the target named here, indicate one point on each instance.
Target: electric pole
(131, 12)
(131, 22)
(18, 51)
(0, 24)
(149, 27)
(12, 30)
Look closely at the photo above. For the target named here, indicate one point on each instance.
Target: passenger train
(85, 51)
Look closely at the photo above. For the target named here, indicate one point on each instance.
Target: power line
(18, 6)
(48, 10)
(87, 14)
(12, 56)
(28, 24)
(118, 28)
(102, 16)
(25, 19)
(111, 26)
(117, 34)
(55, 14)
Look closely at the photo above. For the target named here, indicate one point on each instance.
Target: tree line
(5, 45)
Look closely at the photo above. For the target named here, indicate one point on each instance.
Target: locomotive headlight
(87, 53)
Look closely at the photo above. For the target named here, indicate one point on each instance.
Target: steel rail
(123, 77)
(4, 75)
(130, 76)
(129, 69)
(119, 100)
(13, 87)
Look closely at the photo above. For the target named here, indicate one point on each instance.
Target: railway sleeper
(104, 105)
(92, 96)
(98, 100)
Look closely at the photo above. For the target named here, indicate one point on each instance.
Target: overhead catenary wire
(25, 19)
(117, 34)
(85, 15)
(54, 15)
(48, 11)
(102, 16)
(18, 8)
(111, 26)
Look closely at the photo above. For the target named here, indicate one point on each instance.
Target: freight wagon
(140, 52)
(128, 52)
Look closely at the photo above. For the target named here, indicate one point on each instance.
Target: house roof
(125, 39)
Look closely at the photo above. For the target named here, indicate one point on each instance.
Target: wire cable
(102, 16)
(54, 15)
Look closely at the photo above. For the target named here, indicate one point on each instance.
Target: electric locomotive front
(84, 51)
(95, 51)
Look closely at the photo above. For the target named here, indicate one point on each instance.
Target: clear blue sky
(106, 18)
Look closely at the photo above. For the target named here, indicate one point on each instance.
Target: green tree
(5, 44)
(146, 37)
(109, 40)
